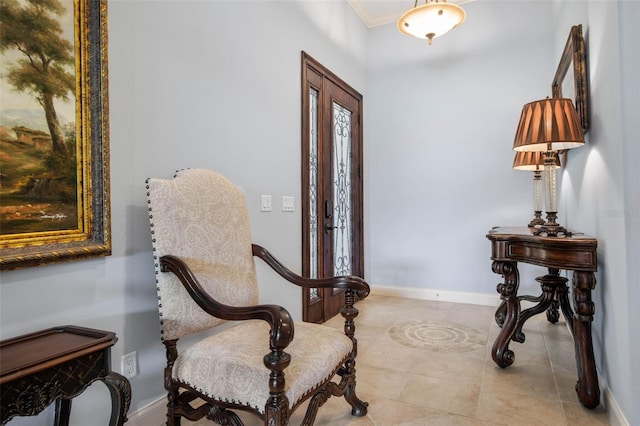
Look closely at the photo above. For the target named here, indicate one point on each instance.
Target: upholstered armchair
(247, 356)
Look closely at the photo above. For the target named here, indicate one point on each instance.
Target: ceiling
(379, 12)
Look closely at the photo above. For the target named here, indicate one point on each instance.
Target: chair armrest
(277, 316)
(352, 282)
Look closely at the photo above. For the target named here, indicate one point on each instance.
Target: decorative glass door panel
(331, 186)
(342, 232)
(313, 189)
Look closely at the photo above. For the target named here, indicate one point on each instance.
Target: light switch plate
(265, 203)
(288, 203)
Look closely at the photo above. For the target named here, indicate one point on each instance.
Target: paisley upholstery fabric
(200, 217)
(228, 366)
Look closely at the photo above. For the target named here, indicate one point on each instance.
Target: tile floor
(417, 386)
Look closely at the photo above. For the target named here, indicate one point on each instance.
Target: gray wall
(601, 185)
(187, 89)
(441, 123)
(440, 128)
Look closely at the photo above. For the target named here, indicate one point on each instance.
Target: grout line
(547, 345)
(391, 316)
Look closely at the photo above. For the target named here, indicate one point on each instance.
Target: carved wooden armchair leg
(349, 313)
(222, 416)
(277, 407)
(173, 394)
(358, 406)
(206, 277)
(347, 372)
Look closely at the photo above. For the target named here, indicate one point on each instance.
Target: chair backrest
(202, 218)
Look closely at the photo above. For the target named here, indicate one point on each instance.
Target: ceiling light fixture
(431, 20)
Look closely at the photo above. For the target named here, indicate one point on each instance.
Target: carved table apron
(58, 364)
(578, 254)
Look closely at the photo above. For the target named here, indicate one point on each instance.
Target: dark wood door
(331, 185)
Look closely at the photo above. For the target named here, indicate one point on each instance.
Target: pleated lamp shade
(550, 124)
(532, 161)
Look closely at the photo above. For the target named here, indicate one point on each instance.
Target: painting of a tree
(34, 31)
(54, 132)
(42, 66)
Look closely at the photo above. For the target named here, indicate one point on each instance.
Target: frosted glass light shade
(431, 20)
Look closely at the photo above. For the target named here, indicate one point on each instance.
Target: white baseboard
(155, 412)
(152, 414)
(616, 416)
(485, 299)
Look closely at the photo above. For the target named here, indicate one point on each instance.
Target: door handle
(328, 228)
(328, 214)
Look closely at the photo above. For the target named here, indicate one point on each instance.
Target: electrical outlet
(129, 365)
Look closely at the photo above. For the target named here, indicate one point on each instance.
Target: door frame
(319, 77)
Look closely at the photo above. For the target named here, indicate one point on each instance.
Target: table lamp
(549, 125)
(534, 161)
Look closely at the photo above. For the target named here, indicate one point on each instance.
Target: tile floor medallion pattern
(438, 336)
(419, 386)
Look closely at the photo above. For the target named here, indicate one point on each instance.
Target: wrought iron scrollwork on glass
(313, 189)
(342, 190)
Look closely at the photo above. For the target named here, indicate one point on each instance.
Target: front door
(331, 185)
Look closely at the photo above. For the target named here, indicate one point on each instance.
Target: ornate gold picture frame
(70, 218)
(574, 56)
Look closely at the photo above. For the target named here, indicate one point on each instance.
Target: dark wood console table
(576, 253)
(57, 364)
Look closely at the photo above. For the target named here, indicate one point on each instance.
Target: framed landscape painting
(54, 132)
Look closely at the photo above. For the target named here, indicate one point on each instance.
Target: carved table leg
(120, 390)
(549, 283)
(553, 314)
(561, 301)
(587, 386)
(562, 294)
(63, 411)
(508, 290)
(501, 312)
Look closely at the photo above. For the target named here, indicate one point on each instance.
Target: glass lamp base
(537, 219)
(551, 228)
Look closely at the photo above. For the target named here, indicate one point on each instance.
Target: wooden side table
(576, 253)
(58, 364)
